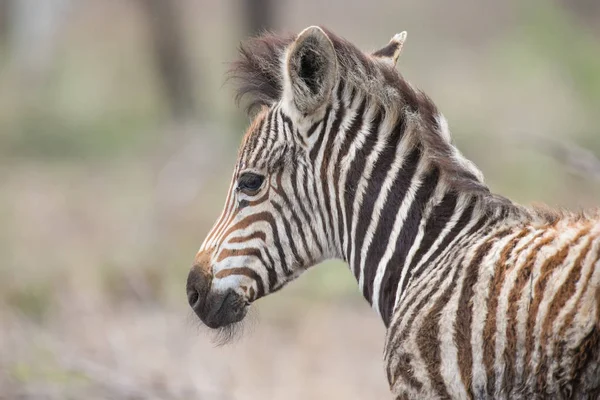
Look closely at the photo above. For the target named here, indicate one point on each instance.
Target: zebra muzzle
(215, 308)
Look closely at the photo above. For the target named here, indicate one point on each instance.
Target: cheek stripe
(245, 272)
(242, 239)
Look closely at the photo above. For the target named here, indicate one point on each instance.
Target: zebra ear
(391, 52)
(311, 69)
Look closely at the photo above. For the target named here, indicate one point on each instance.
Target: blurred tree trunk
(170, 55)
(259, 15)
(4, 20)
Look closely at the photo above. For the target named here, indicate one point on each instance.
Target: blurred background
(118, 136)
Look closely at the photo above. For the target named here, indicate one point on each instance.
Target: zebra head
(274, 224)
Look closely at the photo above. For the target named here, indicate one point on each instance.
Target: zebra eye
(249, 182)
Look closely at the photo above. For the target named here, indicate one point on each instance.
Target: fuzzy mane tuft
(257, 72)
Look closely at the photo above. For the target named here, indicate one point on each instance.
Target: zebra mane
(258, 69)
(258, 73)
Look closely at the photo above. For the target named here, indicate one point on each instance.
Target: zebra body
(511, 312)
(482, 298)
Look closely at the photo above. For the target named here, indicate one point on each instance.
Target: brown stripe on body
(523, 278)
(546, 270)
(587, 352)
(567, 290)
(563, 294)
(561, 345)
(428, 340)
(502, 268)
(569, 318)
(464, 312)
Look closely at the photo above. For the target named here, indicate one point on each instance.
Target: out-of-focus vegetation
(113, 166)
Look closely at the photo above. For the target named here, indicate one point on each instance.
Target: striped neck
(389, 206)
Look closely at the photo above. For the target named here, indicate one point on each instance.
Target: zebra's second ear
(311, 69)
(391, 52)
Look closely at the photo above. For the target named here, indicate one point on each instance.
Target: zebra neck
(385, 205)
(405, 244)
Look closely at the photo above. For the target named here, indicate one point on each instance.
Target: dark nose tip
(198, 285)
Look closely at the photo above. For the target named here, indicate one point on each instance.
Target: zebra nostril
(198, 286)
(193, 297)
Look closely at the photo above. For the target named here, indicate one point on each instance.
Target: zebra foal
(482, 298)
